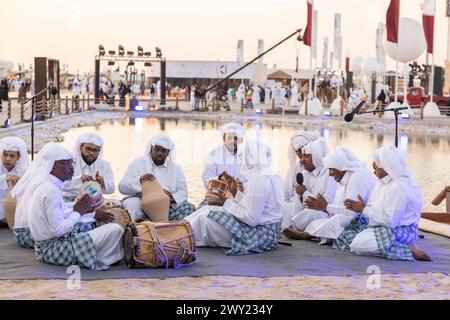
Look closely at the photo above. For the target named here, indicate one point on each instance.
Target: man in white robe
(353, 179)
(89, 166)
(14, 164)
(224, 158)
(250, 222)
(158, 162)
(388, 225)
(52, 227)
(298, 141)
(316, 181)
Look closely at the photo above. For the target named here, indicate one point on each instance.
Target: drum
(155, 244)
(10, 210)
(94, 189)
(216, 188)
(121, 215)
(155, 202)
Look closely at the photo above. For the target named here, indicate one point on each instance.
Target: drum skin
(121, 215)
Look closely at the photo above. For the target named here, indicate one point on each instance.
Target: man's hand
(219, 202)
(83, 205)
(100, 180)
(103, 216)
(356, 206)
(86, 178)
(239, 185)
(319, 203)
(300, 189)
(146, 177)
(12, 180)
(172, 200)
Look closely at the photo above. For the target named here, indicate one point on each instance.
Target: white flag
(314, 34)
(325, 53)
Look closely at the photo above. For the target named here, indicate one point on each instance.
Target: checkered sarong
(349, 234)
(246, 239)
(70, 249)
(181, 212)
(394, 242)
(23, 237)
(83, 227)
(202, 204)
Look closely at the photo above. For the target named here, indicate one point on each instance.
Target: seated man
(14, 164)
(393, 212)
(298, 141)
(89, 166)
(250, 222)
(317, 183)
(353, 179)
(223, 159)
(51, 227)
(158, 162)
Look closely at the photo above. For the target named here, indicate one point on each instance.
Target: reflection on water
(428, 157)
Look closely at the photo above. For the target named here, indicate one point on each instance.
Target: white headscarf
(88, 137)
(39, 170)
(319, 150)
(256, 158)
(394, 163)
(343, 159)
(18, 145)
(233, 127)
(299, 140)
(164, 141)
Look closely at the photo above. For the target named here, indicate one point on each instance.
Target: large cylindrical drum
(155, 244)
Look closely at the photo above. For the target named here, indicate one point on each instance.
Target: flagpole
(432, 57)
(398, 55)
(310, 93)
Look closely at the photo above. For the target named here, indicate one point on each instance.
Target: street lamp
(101, 50)
(121, 50)
(140, 51)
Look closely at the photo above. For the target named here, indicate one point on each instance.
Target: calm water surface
(428, 157)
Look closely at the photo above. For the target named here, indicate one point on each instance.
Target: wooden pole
(176, 105)
(421, 110)
(306, 106)
(67, 105)
(242, 105)
(9, 108)
(22, 111)
(273, 105)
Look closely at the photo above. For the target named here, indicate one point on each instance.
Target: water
(428, 157)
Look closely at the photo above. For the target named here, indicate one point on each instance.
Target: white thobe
(317, 181)
(73, 187)
(258, 206)
(391, 206)
(4, 187)
(219, 160)
(48, 219)
(170, 176)
(350, 186)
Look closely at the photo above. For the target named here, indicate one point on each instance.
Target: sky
(192, 30)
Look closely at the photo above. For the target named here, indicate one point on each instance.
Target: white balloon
(356, 65)
(411, 41)
(370, 66)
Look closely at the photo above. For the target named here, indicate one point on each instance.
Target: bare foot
(295, 234)
(419, 254)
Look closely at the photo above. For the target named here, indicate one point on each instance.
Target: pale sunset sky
(192, 30)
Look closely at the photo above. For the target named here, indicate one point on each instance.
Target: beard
(88, 161)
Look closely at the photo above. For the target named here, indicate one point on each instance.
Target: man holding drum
(90, 167)
(40, 192)
(245, 223)
(224, 158)
(158, 162)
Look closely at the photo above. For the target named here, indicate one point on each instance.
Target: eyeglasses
(92, 150)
